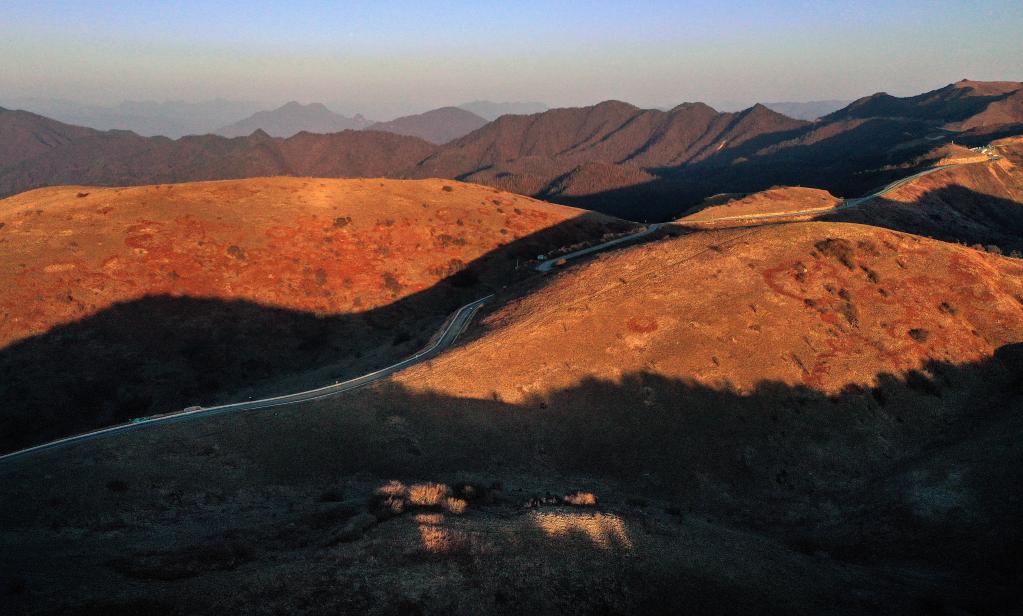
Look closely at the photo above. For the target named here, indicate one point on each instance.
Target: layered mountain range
(612, 157)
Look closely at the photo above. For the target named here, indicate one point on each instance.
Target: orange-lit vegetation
(116, 303)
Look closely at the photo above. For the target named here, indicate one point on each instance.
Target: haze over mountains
(292, 118)
(436, 126)
(491, 110)
(172, 119)
(612, 157)
(810, 110)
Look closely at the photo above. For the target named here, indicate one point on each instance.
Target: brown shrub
(840, 249)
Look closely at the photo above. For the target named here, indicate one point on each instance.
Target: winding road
(845, 205)
(454, 327)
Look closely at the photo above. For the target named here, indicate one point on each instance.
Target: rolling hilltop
(217, 288)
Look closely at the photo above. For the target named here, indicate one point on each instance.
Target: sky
(382, 57)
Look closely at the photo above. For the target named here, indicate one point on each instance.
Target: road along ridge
(845, 205)
(456, 324)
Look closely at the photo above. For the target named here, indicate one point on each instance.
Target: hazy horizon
(402, 57)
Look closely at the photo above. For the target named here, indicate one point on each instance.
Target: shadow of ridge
(840, 478)
(162, 353)
(848, 163)
(781, 459)
(951, 213)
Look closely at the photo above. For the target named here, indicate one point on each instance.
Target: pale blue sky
(425, 54)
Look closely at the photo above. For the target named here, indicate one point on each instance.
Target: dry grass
(456, 506)
(428, 494)
(581, 499)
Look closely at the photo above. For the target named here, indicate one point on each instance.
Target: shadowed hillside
(121, 303)
(645, 493)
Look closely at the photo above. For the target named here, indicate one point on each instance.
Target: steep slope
(436, 126)
(658, 164)
(953, 105)
(122, 302)
(24, 135)
(542, 153)
(973, 202)
(293, 118)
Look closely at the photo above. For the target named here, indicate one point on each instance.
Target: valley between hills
(800, 390)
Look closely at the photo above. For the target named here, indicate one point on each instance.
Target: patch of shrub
(342, 221)
(236, 251)
(919, 334)
(455, 506)
(838, 248)
(388, 501)
(428, 494)
(391, 283)
(447, 188)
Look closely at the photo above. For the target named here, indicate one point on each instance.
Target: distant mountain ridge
(613, 157)
(809, 110)
(491, 110)
(293, 118)
(436, 126)
(172, 119)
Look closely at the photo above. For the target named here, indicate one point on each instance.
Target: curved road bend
(845, 205)
(453, 328)
(457, 324)
(546, 266)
